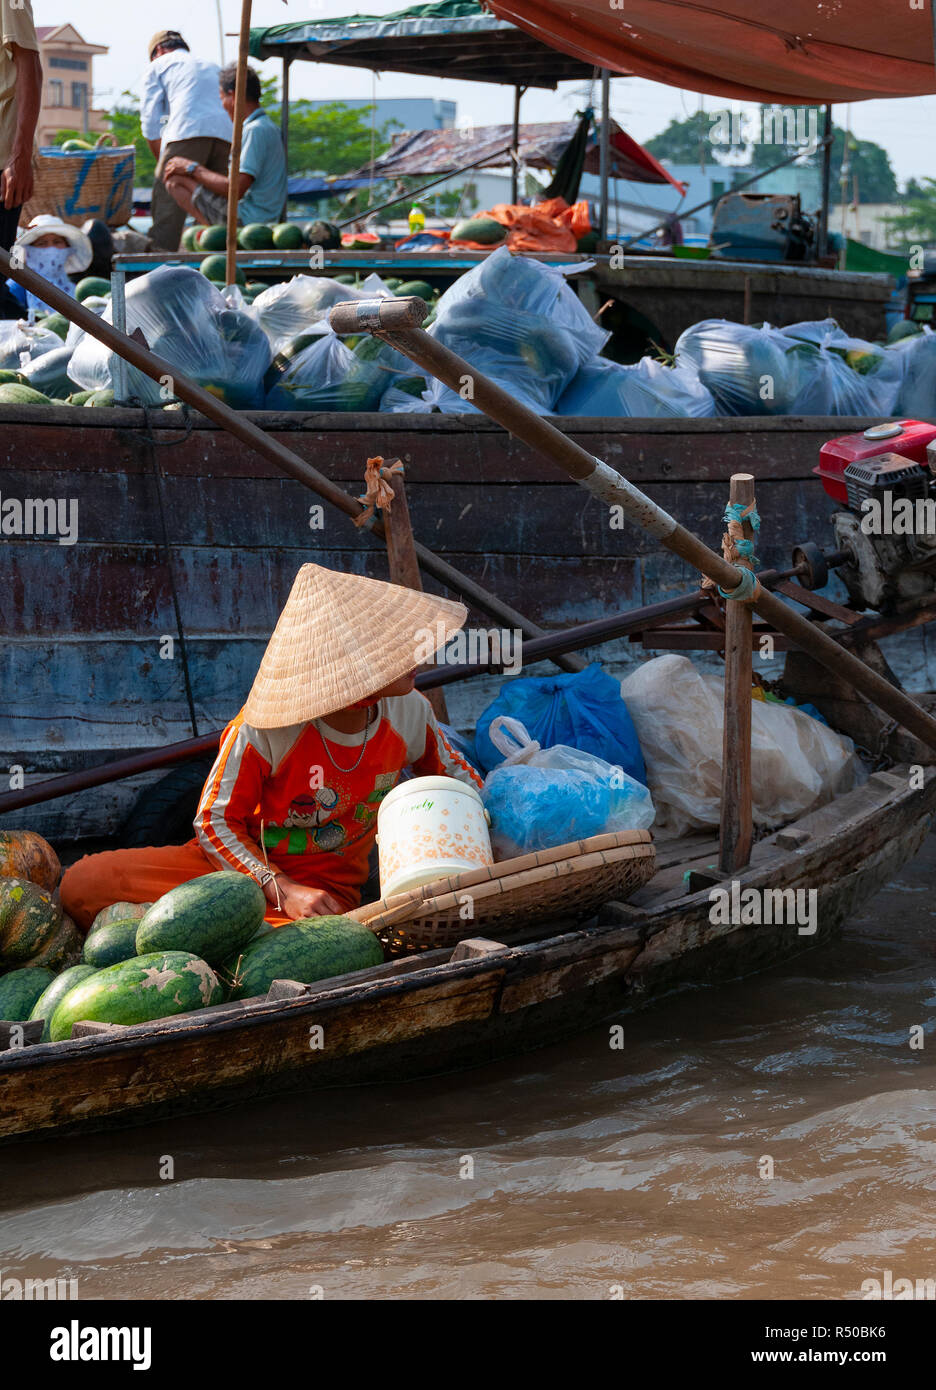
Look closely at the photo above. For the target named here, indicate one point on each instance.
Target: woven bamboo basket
(569, 881)
(90, 183)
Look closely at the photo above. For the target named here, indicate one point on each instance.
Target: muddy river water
(771, 1138)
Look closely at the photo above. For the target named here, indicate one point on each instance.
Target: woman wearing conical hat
(331, 720)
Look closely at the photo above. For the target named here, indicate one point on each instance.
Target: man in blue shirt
(181, 118)
(262, 179)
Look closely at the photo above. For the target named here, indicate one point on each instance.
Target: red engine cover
(906, 437)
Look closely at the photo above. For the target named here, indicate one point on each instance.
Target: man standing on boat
(181, 118)
(20, 96)
(262, 178)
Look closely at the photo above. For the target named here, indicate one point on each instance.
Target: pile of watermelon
(198, 945)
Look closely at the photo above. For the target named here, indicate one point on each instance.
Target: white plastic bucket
(428, 828)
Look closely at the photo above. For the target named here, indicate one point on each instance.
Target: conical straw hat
(340, 638)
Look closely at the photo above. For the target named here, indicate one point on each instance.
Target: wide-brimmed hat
(340, 638)
(45, 224)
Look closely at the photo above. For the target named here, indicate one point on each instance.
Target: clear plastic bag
(185, 320)
(520, 323)
(328, 375)
(18, 337)
(97, 305)
(811, 368)
(302, 305)
(582, 709)
(647, 388)
(797, 763)
(542, 797)
(917, 358)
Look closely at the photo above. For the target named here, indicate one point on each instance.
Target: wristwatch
(191, 167)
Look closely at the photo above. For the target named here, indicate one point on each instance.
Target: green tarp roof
(448, 38)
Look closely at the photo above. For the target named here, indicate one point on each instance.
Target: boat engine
(886, 477)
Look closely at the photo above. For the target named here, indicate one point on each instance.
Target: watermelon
(360, 241)
(419, 288)
(55, 323)
(12, 394)
(345, 279)
(107, 945)
(324, 234)
(189, 240)
(136, 991)
(255, 287)
(256, 236)
(211, 239)
(288, 237)
(49, 373)
(76, 146)
(104, 397)
(63, 949)
(54, 993)
(211, 916)
(214, 268)
(80, 397)
(483, 230)
(120, 912)
(904, 328)
(19, 991)
(313, 948)
(11, 378)
(91, 285)
(29, 919)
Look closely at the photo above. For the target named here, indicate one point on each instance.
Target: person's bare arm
(215, 183)
(155, 146)
(16, 181)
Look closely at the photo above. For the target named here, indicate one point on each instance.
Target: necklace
(357, 761)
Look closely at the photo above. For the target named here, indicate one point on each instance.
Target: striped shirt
(278, 790)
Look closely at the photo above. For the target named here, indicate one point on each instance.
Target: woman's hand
(16, 181)
(297, 900)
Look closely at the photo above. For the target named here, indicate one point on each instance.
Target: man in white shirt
(180, 115)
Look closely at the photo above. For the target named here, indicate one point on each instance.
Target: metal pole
(822, 235)
(119, 315)
(603, 152)
(515, 149)
(234, 173)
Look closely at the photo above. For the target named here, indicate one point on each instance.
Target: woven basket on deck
(89, 183)
(569, 881)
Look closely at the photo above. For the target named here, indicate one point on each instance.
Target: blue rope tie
(745, 591)
(734, 511)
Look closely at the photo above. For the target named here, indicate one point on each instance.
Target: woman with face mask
(54, 250)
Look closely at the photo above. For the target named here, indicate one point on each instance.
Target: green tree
(916, 223)
(709, 136)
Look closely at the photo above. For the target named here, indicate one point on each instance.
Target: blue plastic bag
(583, 709)
(539, 798)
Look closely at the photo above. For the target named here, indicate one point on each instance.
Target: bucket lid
(420, 785)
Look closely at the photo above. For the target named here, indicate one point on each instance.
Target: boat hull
(415, 1018)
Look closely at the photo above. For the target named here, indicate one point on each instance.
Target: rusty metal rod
(393, 325)
(285, 459)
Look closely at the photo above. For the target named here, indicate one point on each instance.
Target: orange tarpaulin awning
(801, 51)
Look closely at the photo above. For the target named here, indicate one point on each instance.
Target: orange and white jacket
(278, 790)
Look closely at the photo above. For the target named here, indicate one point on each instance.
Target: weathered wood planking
(83, 669)
(395, 1023)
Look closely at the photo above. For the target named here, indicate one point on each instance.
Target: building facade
(67, 84)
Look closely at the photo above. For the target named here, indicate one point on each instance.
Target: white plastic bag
(302, 305)
(797, 763)
(18, 337)
(538, 798)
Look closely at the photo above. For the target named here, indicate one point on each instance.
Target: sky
(642, 108)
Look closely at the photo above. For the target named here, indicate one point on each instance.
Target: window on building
(56, 93)
(73, 64)
(79, 94)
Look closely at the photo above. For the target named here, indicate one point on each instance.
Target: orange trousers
(135, 876)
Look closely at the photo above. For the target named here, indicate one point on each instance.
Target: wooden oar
(236, 423)
(396, 322)
(240, 93)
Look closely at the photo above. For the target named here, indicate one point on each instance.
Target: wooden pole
(391, 320)
(234, 173)
(515, 148)
(284, 123)
(404, 566)
(822, 231)
(737, 830)
(604, 148)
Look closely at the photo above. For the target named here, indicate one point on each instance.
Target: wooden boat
(447, 1009)
(181, 530)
